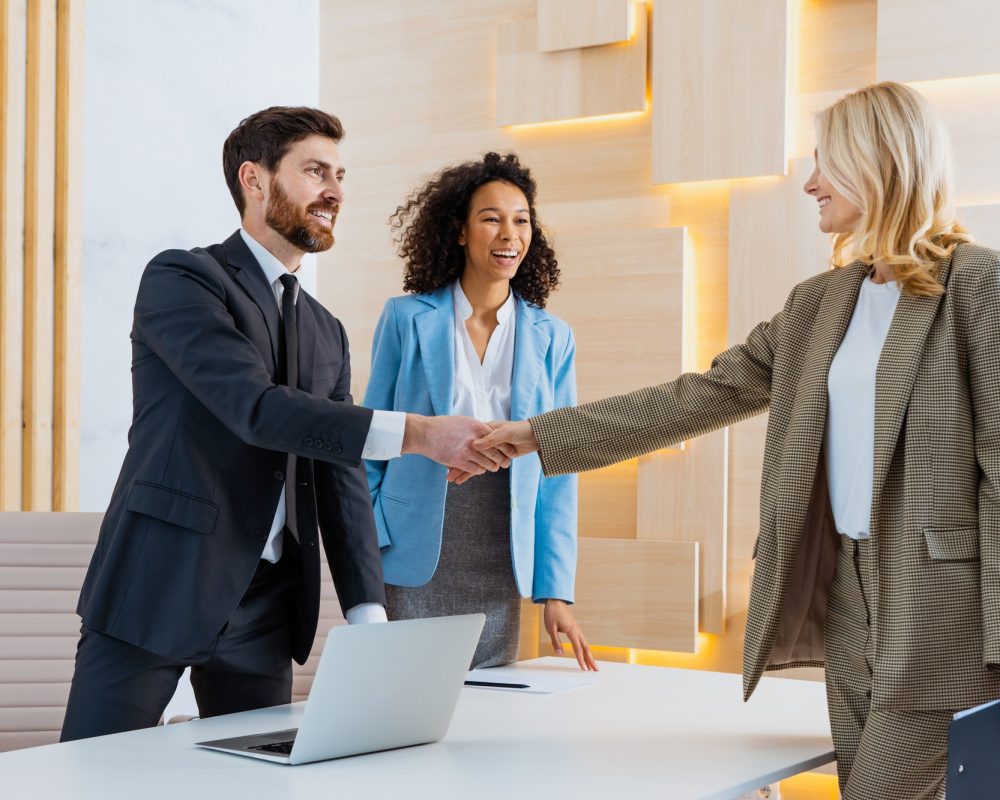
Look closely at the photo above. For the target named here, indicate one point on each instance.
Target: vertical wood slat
(68, 256)
(12, 108)
(39, 256)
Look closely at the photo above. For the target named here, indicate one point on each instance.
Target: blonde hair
(886, 150)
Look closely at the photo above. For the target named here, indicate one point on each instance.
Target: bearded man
(244, 451)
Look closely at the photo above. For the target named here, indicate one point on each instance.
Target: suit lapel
(436, 337)
(531, 343)
(807, 425)
(250, 276)
(897, 372)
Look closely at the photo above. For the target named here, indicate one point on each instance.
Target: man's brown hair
(266, 136)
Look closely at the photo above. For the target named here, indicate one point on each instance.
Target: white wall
(165, 81)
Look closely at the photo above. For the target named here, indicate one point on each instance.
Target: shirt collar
(273, 269)
(464, 308)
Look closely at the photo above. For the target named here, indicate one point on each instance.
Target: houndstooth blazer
(935, 519)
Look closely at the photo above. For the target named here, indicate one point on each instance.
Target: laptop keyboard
(281, 748)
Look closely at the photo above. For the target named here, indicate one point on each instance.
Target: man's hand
(559, 619)
(448, 440)
(512, 439)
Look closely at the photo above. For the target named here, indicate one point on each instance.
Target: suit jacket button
(308, 441)
(261, 534)
(337, 448)
(279, 475)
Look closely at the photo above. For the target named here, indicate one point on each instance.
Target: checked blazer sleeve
(603, 432)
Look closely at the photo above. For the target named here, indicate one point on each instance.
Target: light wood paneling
(569, 24)
(13, 41)
(638, 593)
(774, 243)
(836, 44)
(68, 257)
(718, 101)
(682, 498)
(39, 264)
(607, 501)
(618, 289)
(533, 87)
(921, 40)
(983, 223)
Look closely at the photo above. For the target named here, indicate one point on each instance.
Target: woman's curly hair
(431, 219)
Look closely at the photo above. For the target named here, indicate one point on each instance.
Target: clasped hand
(510, 439)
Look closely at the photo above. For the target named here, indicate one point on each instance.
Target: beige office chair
(43, 558)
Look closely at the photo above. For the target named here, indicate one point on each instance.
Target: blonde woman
(879, 548)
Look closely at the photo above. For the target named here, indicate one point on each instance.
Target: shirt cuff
(385, 436)
(365, 613)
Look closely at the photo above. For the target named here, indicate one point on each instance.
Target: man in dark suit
(245, 447)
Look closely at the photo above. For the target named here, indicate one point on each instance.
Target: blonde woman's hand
(559, 619)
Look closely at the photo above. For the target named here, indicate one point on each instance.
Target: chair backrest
(43, 558)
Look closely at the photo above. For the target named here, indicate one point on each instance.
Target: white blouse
(850, 424)
(482, 390)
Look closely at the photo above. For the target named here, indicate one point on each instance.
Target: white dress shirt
(850, 424)
(384, 440)
(482, 389)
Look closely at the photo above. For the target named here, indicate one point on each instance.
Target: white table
(639, 732)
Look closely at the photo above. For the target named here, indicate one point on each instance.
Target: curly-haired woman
(472, 338)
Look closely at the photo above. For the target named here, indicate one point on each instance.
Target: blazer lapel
(897, 372)
(250, 276)
(531, 343)
(808, 421)
(436, 337)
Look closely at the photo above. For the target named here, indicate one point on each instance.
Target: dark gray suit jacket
(211, 430)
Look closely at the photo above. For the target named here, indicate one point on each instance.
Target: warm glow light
(624, 115)
(704, 650)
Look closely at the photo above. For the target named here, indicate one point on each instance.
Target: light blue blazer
(412, 370)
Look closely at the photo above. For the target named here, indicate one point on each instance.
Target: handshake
(467, 446)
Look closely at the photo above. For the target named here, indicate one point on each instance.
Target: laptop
(377, 687)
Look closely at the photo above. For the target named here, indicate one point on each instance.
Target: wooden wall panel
(41, 143)
(922, 40)
(718, 102)
(983, 222)
(39, 255)
(638, 593)
(532, 86)
(608, 501)
(971, 110)
(682, 497)
(836, 44)
(13, 55)
(68, 257)
(570, 24)
(639, 278)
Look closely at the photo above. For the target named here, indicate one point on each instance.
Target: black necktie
(290, 328)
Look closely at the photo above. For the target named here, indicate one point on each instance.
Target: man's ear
(252, 180)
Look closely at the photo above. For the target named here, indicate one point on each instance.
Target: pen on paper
(496, 685)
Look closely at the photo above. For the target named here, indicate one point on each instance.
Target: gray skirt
(475, 572)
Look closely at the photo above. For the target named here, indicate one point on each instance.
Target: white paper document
(528, 681)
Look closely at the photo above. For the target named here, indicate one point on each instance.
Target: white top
(637, 732)
(850, 423)
(384, 440)
(482, 390)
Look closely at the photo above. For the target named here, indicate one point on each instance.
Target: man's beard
(297, 225)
